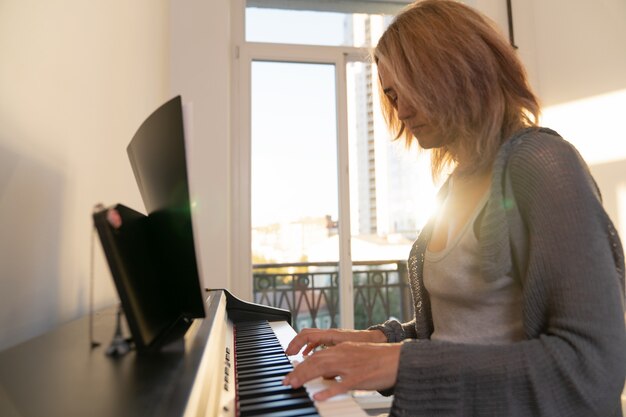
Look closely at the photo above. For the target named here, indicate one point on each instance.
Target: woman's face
(421, 129)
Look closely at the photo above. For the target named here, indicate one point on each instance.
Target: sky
(294, 147)
(294, 129)
(294, 27)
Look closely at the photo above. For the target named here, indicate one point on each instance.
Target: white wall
(572, 49)
(201, 56)
(76, 80)
(580, 48)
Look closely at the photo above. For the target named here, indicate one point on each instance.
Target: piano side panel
(206, 395)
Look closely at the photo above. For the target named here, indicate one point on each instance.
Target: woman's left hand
(369, 366)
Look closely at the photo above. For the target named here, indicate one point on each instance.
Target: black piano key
(264, 353)
(244, 343)
(248, 370)
(260, 372)
(270, 378)
(253, 323)
(292, 403)
(266, 358)
(258, 384)
(261, 382)
(257, 392)
(273, 357)
(239, 332)
(263, 365)
(260, 326)
(257, 345)
(299, 412)
(260, 352)
(254, 373)
(273, 361)
(274, 397)
(258, 335)
(248, 357)
(255, 336)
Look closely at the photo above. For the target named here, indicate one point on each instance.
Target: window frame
(244, 53)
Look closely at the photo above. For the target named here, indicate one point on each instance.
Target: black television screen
(152, 257)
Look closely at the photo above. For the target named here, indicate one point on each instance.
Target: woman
(518, 280)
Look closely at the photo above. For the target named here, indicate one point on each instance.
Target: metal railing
(311, 292)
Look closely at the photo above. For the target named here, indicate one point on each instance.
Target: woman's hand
(312, 338)
(370, 366)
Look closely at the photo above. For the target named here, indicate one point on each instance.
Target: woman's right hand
(312, 338)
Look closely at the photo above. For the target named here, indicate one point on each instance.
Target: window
(297, 27)
(330, 204)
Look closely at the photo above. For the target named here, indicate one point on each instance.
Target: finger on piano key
(341, 405)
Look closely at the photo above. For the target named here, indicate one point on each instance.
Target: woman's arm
(395, 331)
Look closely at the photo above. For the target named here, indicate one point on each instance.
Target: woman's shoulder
(539, 152)
(536, 143)
(540, 160)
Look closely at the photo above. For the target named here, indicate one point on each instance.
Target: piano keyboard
(261, 364)
(254, 364)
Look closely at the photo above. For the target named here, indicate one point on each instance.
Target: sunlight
(594, 125)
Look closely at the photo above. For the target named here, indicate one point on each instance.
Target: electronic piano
(244, 363)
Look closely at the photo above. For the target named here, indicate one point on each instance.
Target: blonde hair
(459, 74)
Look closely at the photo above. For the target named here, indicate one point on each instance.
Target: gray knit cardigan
(545, 222)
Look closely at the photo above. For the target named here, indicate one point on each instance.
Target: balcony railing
(311, 292)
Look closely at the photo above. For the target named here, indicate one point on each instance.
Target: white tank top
(465, 307)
